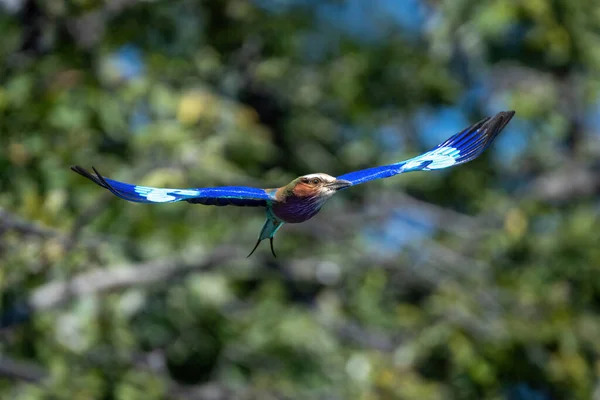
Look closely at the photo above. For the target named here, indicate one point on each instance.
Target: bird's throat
(296, 209)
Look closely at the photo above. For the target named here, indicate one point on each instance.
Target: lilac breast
(296, 209)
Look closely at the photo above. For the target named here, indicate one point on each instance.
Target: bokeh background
(478, 282)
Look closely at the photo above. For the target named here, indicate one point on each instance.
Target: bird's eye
(315, 181)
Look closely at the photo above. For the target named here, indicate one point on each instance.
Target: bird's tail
(268, 231)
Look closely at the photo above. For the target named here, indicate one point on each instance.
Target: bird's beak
(339, 184)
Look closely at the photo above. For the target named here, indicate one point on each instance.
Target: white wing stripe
(439, 158)
(158, 195)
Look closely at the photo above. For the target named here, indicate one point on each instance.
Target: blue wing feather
(458, 149)
(218, 196)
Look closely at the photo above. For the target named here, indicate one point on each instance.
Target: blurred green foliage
(497, 299)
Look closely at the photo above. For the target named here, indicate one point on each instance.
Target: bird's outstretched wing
(216, 196)
(460, 148)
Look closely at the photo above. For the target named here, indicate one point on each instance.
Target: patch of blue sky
(592, 118)
(128, 60)
(390, 138)
(438, 124)
(372, 20)
(367, 21)
(514, 139)
(349, 133)
(496, 102)
(512, 142)
(352, 16)
(524, 391)
(411, 15)
(476, 95)
(128, 63)
(139, 118)
(405, 227)
(278, 6)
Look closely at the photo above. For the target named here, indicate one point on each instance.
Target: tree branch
(568, 183)
(11, 222)
(102, 280)
(21, 370)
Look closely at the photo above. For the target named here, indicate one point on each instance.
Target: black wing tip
(507, 113)
(500, 120)
(503, 117)
(87, 174)
(79, 170)
(478, 137)
(98, 179)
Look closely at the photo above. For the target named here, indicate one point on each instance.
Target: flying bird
(303, 198)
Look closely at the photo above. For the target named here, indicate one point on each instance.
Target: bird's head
(317, 185)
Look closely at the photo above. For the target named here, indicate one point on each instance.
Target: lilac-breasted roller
(302, 198)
